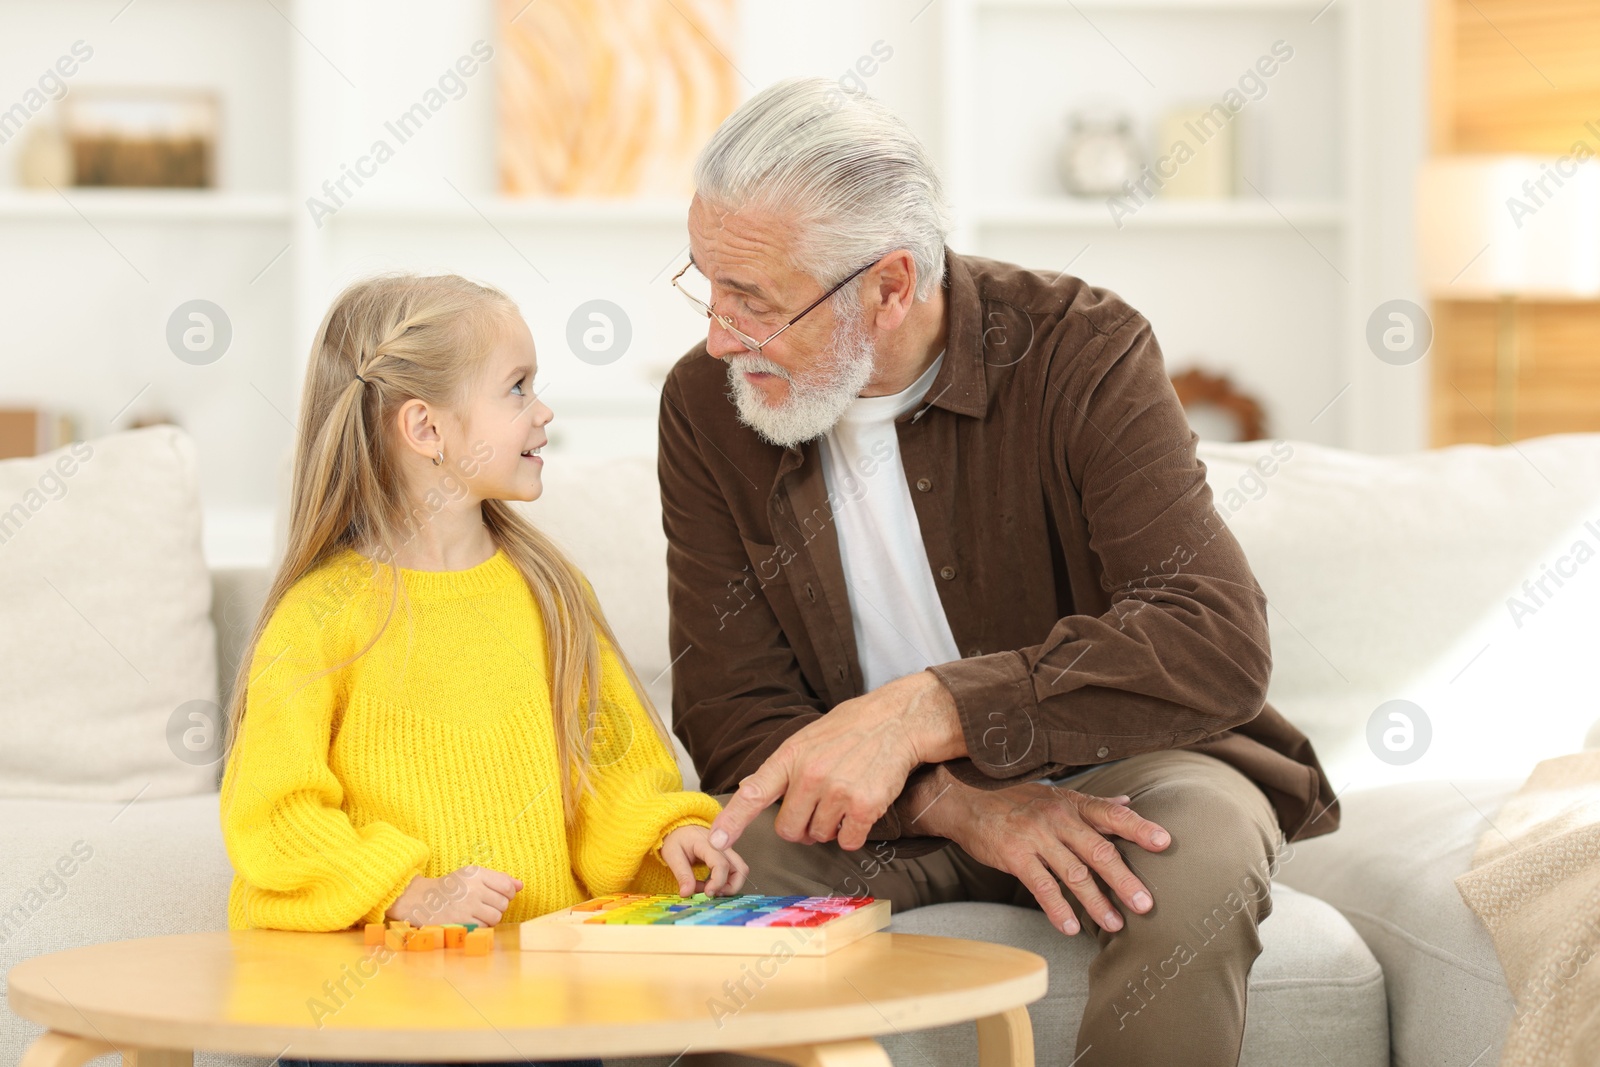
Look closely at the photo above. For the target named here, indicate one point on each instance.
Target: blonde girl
(435, 721)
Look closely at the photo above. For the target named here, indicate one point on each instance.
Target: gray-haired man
(945, 577)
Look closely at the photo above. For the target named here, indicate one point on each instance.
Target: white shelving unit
(1262, 286)
(1272, 287)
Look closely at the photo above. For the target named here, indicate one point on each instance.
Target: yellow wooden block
(478, 942)
(375, 933)
(455, 935)
(395, 940)
(426, 939)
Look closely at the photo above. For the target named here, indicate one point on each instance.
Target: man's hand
(839, 774)
(1047, 836)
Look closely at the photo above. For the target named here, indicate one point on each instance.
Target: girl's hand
(465, 895)
(686, 845)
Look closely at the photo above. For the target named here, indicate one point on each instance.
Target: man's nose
(720, 342)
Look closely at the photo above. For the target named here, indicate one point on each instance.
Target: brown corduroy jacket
(1102, 606)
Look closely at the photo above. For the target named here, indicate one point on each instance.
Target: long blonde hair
(426, 337)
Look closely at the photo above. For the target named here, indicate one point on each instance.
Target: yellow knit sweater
(433, 750)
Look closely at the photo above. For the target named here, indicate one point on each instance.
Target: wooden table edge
(1005, 1034)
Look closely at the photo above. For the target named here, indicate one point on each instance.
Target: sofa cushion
(106, 638)
(1316, 993)
(79, 873)
(1393, 577)
(606, 514)
(1391, 869)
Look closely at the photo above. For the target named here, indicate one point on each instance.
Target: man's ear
(892, 291)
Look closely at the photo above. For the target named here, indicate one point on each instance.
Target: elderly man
(946, 580)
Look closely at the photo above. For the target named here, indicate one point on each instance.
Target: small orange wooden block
(395, 939)
(478, 942)
(427, 939)
(455, 935)
(375, 933)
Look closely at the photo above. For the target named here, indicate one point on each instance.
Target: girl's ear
(417, 428)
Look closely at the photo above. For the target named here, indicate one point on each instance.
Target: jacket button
(1102, 752)
(947, 572)
(924, 484)
(811, 594)
(973, 652)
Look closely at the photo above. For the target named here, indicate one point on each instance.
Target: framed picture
(611, 98)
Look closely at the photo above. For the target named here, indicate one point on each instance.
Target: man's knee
(1219, 865)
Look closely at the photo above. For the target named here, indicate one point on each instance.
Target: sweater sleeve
(300, 863)
(638, 796)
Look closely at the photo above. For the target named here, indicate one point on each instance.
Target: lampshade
(1497, 226)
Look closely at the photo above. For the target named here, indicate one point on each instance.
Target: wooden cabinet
(1516, 76)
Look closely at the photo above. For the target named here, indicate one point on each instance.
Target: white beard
(816, 401)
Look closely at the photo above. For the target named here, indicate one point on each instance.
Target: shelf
(1064, 212)
(141, 205)
(452, 208)
(1197, 6)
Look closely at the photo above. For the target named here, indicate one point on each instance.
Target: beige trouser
(1170, 987)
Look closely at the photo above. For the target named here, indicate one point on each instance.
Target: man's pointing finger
(756, 793)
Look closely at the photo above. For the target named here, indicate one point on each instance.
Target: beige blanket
(1535, 883)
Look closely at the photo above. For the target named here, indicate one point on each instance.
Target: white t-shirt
(900, 625)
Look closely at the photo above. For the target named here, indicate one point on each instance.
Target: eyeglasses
(727, 324)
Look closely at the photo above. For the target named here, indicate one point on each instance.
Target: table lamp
(1509, 227)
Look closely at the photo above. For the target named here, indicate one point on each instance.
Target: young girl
(435, 722)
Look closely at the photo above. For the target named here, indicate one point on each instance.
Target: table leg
(152, 1057)
(1006, 1040)
(860, 1052)
(52, 1049)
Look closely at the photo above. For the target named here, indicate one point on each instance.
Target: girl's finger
(719, 872)
(741, 871)
(681, 869)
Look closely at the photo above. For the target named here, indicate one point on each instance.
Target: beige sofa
(1385, 576)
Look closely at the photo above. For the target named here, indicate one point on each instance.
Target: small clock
(1099, 155)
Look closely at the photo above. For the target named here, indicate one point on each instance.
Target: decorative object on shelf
(1507, 227)
(1200, 148)
(33, 431)
(611, 97)
(1217, 410)
(45, 159)
(1100, 153)
(143, 137)
(151, 418)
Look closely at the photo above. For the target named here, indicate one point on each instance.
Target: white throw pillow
(1402, 578)
(105, 633)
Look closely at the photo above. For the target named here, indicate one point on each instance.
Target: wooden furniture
(1514, 76)
(1213, 397)
(327, 996)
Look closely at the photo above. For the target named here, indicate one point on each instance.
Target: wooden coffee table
(328, 996)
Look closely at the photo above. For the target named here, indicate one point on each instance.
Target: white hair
(843, 168)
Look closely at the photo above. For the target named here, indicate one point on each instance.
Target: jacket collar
(959, 386)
